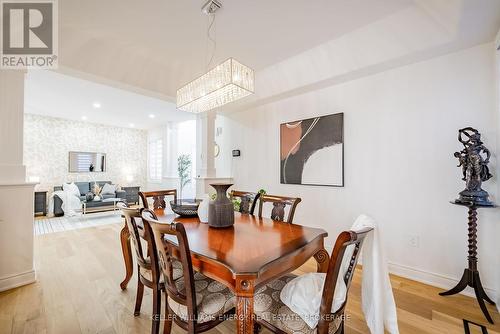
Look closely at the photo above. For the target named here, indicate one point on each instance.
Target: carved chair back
(137, 232)
(248, 200)
(163, 251)
(158, 198)
(348, 245)
(279, 204)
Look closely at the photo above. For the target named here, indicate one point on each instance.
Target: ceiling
(57, 95)
(159, 45)
(151, 48)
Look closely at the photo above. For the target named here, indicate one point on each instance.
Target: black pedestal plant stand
(473, 159)
(471, 274)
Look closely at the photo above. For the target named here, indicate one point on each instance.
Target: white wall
(48, 141)
(400, 134)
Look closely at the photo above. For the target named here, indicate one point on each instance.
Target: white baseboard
(7, 283)
(437, 280)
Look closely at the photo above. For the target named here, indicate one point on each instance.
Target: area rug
(60, 224)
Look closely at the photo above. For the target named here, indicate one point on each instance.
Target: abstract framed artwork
(312, 151)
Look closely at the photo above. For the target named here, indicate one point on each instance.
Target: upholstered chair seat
(269, 307)
(213, 299)
(176, 272)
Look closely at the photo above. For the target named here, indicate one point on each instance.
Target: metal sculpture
(473, 159)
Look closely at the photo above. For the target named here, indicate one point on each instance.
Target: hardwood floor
(78, 291)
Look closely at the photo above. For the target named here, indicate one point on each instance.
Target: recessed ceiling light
(96, 105)
(84, 118)
(151, 116)
(131, 125)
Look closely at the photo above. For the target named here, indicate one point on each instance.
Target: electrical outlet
(414, 241)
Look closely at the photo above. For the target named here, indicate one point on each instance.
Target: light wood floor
(77, 292)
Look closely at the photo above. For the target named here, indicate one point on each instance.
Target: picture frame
(312, 151)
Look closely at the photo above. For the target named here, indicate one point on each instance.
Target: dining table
(244, 256)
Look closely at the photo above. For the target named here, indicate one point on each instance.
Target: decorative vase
(220, 211)
(203, 209)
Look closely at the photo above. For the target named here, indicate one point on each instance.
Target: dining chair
(142, 241)
(195, 302)
(248, 200)
(158, 198)
(279, 204)
(269, 310)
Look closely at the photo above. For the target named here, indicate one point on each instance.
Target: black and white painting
(312, 151)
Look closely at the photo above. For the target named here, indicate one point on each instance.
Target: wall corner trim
(14, 281)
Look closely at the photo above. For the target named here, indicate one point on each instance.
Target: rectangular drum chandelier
(225, 83)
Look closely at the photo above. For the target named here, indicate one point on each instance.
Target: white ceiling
(153, 47)
(57, 95)
(159, 45)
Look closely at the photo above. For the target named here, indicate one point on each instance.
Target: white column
(205, 147)
(11, 126)
(16, 196)
(205, 139)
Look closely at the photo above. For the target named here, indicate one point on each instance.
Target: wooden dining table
(245, 256)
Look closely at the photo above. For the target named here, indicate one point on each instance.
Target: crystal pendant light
(225, 83)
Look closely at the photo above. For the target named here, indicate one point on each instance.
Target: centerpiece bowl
(185, 207)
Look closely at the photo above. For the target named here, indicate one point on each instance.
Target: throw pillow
(303, 294)
(108, 189)
(71, 188)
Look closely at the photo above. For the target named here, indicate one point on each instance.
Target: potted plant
(184, 171)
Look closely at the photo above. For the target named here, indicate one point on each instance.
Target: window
(83, 162)
(155, 159)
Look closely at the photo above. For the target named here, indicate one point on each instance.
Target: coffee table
(113, 200)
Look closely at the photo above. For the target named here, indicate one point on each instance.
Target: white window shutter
(155, 159)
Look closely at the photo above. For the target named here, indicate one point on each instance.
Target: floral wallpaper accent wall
(48, 141)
